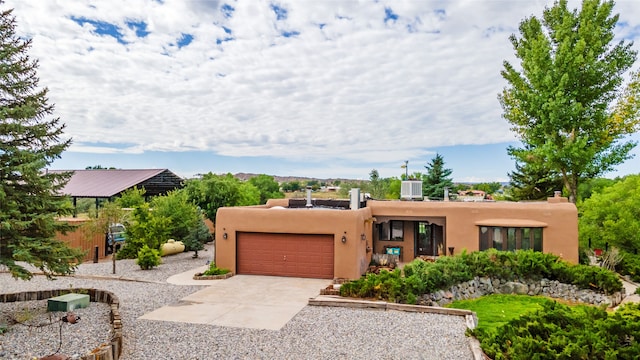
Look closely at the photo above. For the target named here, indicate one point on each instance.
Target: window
(391, 231)
(510, 238)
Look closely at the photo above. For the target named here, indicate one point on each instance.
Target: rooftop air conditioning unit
(411, 190)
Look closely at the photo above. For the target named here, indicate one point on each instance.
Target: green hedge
(561, 332)
(421, 277)
(630, 265)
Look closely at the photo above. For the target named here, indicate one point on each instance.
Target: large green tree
(267, 186)
(182, 214)
(612, 216)
(559, 101)
(29, 141)
(436, 179)
(214, 191)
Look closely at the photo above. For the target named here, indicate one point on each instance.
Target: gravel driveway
(315, 333)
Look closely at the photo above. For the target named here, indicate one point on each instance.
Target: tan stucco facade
(350, 257)
(456, 224)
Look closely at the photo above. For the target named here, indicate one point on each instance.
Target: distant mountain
(283, 179)
(303, 179)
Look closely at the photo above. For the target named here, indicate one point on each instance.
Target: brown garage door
(297, 255)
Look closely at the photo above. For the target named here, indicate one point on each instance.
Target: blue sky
(293, 88)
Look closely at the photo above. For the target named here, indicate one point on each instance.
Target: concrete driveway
(248, 301)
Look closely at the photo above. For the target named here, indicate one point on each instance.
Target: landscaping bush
(214, 270)
(388, 285)
(148, 258)
(422, 277)
(630, 265)
(562, 332)
(145, 228)
(595, 278)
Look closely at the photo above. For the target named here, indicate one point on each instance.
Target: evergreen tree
(29, 200)
(559, 102)
(436, 179)
(198, 235)
(532, 181)
(377, 186)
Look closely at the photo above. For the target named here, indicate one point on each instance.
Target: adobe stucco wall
(350, 258)
(558, 219)
(461, 221)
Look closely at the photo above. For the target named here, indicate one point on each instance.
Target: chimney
(309, 203)
(557, 198)
(354, 204)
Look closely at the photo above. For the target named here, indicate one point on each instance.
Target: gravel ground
(315, 333)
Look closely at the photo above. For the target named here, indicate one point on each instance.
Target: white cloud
(349, 86)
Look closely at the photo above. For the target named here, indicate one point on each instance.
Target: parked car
(116, 234)
(115, 238)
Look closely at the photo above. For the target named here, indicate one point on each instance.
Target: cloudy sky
(305, 87)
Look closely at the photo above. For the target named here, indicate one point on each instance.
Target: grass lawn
(497, 309)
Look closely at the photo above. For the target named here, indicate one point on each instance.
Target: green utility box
(68, 302)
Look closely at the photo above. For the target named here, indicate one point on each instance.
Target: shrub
(388, 285)
(421, 277)
(148, 258)
(630, 265)
(562, 332)
(214, 270)
(146, 228)
(595, 278)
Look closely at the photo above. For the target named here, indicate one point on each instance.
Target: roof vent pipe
(309, 203)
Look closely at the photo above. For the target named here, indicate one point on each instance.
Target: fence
(80, 239)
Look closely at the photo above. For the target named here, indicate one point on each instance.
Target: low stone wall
(199, 276)
(110, 351)
(481, 286)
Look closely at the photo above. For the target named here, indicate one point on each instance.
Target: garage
(295, 255)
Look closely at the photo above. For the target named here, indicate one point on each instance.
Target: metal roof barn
(106, 183)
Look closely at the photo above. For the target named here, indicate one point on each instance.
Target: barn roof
(105, 183)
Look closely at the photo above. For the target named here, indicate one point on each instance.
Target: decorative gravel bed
(36, 332)
(315, 333)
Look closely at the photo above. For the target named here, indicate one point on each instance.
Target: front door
(429, 239)
(424, 239)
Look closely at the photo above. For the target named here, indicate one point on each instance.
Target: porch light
(451, 250)
(224, 236)
(363, 237)
(344, 237)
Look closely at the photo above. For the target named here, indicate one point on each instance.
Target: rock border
(110, 351)
(199, 276)
(481, 286)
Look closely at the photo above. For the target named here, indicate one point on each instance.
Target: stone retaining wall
(481, 286)
(110, 351)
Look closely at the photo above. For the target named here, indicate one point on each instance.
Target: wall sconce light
(344, 237)
(224, 236)
(363, 237)
(451, 250)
